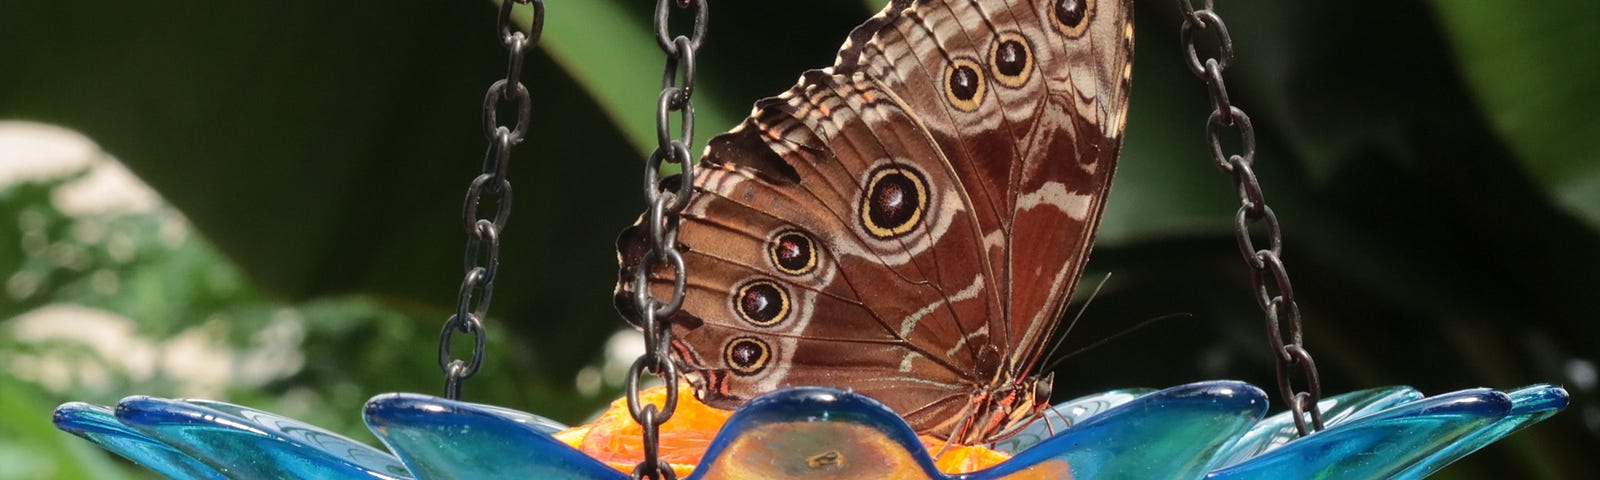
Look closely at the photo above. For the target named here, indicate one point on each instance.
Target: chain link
(666, 200)
(482, 258)
(1273, 292)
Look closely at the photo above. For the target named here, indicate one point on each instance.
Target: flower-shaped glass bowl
(1211, 430)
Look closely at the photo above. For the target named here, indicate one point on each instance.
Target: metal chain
(665, 202)
(1268, 273)
(482, 259)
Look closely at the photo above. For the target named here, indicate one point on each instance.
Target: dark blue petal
(439, 438)
(801, 431)
(1380, 445)
(99, 425)
(245, 443)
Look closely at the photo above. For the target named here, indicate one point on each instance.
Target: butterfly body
(909, 222)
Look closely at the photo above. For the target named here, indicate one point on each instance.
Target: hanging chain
(1268, 273)
(666, 201)
(482, 259)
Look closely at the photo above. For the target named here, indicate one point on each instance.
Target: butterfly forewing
(909, 222)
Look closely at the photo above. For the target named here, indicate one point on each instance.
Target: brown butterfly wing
(890, 227)
(1038, 140)
(871, 305)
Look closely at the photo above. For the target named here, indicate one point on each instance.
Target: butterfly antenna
(1106, 340)
(1075, 317)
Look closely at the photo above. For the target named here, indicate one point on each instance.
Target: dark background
(1433, 164)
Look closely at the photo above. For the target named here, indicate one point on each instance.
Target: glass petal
(1529, 405)
(1279, 429)
(1066, 414)
(812, 431)
(247, 443)
(440, 438)
(1177, 431)
(1379, 445)
(97, 424)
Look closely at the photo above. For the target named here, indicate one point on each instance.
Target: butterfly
(908, 223)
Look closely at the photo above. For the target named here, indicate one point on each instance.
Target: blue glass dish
(1212, 430)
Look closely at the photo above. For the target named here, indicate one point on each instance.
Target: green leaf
(624, 71)
(1533, 70)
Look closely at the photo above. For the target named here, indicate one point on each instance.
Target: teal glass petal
(1380, 445)
(1279, 429)
(245, 443)
(438, 438)
(527, 419)
(1173, 433)
(1529, 405)
(97, 424)
(1066, 414)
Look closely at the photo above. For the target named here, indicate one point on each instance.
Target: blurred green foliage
(1434, 164)
(317, 359)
